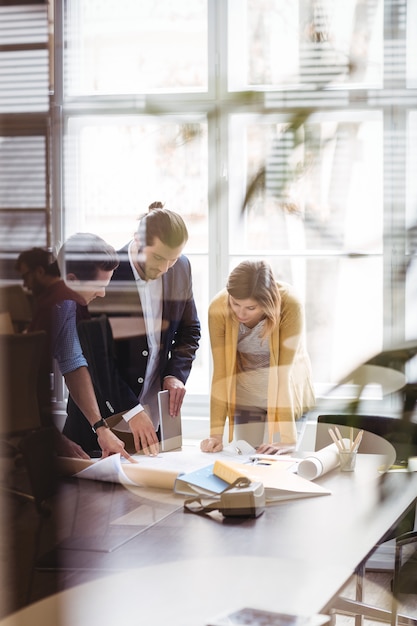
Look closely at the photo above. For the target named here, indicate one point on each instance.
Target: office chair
(21, 360)
(21, 356)
(401, 438)
(408, 571)
(402, 435)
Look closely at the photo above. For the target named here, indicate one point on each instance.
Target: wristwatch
(99, 424)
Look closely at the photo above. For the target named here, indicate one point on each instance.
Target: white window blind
(24, 122)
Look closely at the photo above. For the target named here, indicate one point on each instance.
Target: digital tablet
(170, 426)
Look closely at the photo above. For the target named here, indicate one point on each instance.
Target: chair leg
(346, 606)
(359, 610)
(397, 568)
(359, 592)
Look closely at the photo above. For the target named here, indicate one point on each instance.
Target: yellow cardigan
(290, 389)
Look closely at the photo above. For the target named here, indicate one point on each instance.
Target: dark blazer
(180, 333)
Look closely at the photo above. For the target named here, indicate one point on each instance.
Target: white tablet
(170, 426)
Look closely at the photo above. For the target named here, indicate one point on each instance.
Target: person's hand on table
(212, 444)
(176, 394)
(110, 444)
(68, 448)
(275, 448)
(144, 434)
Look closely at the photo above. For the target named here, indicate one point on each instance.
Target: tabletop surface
(137, 552)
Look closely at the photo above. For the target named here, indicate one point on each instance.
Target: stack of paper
(279, 483)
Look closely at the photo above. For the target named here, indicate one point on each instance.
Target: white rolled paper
(321, 462)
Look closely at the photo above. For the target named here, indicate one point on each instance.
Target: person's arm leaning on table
(67, 448)
(73, 366)
(143, 431)
(218, 392)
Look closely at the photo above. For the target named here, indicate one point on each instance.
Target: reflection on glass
(284, 44)
(134, 47)
(321, 190)
(317, 215)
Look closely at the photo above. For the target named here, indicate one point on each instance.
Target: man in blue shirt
(56, 310)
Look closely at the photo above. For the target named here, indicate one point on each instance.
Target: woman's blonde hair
(255, 280)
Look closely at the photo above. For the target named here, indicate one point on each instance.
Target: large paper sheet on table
(158, 472)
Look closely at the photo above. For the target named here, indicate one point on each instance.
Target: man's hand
(176, 394)
(144, 434)
(212, 444)
(110, 444)
(66, 447)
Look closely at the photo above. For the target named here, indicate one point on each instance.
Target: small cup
(412, 464)
(347, 460)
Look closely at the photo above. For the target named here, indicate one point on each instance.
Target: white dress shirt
(150, 294)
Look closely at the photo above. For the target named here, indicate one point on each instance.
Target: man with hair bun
(157, 276)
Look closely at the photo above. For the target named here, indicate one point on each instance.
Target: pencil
(342, 443)
(335, 440)
(357, 441)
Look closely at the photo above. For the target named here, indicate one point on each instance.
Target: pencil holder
(347, 460)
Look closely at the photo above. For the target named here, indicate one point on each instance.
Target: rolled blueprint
(321, 462)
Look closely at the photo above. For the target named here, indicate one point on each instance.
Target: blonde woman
(261, 369)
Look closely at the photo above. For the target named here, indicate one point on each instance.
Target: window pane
(116, 166)
(276, 43)
(319, 188)
(131, 46)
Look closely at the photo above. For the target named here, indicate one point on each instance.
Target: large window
(279, 130)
